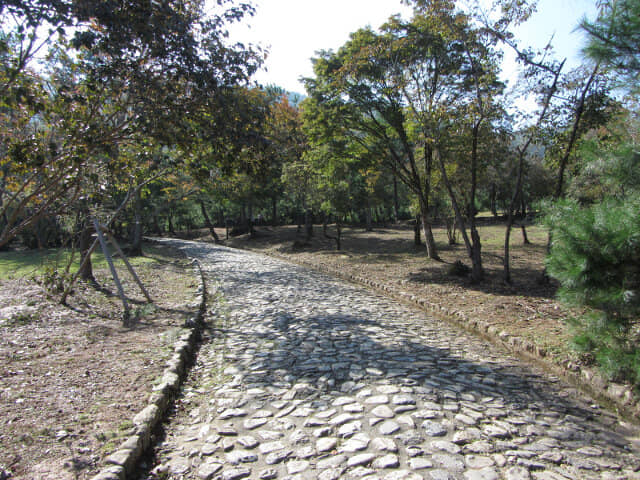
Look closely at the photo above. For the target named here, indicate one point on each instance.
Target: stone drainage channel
(302, 376)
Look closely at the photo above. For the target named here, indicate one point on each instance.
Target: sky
(293, 30)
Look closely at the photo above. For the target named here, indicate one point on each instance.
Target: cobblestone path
(306, 377)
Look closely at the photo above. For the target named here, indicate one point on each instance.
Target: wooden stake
(126, 262)
(131, 191)
(114, 274)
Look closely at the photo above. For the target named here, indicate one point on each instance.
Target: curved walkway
(306, 377)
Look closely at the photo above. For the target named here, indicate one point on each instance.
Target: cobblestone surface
(307, 377)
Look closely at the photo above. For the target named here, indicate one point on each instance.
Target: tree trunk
(492, 197)
(429, 241)
(274, 211)
(38, 228)
(308, 224)
(4, 220)
(207, 221)
(136, 239)
(86, 273)
(396, 202)
(473, 246)
(335, 238)
(477, 272)
(243, 216)
(423, 218)
(525, 238)
(250, 229)
(564, 160)
(416, 232)
(172, 229)
(367, 216)
(451, 230)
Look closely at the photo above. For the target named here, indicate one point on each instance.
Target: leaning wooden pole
(114, 273)
(65, 294)
(126, 262)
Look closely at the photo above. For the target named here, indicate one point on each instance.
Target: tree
(343, 171)
(135, 69)
(286, 144)
(467, 118)
(595, 256)
(594, 252)
(358, 92)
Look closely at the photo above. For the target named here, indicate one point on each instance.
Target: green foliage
(595, 254)
(128, 80)
(614, 38)
(610, 165)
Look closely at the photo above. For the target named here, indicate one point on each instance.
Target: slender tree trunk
(559, 192)
(451, 230)
(525, 238)
(38, 228)
(522, 151)
(308, 224)
(477, 272)
(492, 196)
(335, 238)
(367, 216)
(207, 221)
(396, 200)
(299, 220)
(274, 211)
(429, 241)
(250, 220)
(416, 232)
(86, 273)
(473, 246)
(172, 229)
(4, 220)
(136, 240)
(511, 220)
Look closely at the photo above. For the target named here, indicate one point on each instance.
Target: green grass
(29, 263)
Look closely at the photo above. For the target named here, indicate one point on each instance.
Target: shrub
(595, 254)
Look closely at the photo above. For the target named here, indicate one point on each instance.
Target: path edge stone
(618, 397)
(121, 464)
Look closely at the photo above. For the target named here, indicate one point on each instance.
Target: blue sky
(293, 30)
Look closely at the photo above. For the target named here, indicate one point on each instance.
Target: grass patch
(30, 263)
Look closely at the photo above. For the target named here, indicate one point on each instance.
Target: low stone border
(618, 396)
(122, 463)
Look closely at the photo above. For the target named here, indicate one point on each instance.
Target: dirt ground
(525, 308)
(72, 378)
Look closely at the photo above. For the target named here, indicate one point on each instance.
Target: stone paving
(306, 377)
